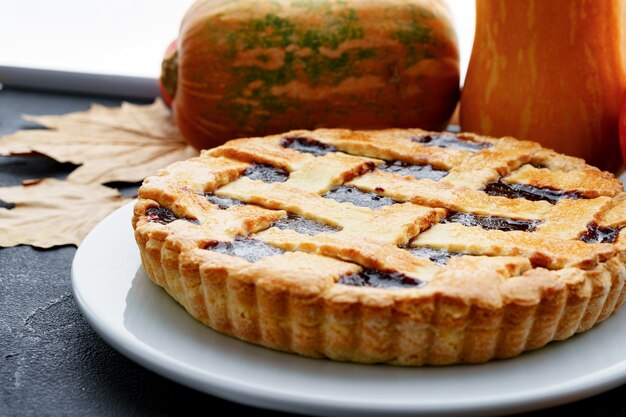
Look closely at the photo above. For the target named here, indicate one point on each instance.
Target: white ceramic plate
(144, 323)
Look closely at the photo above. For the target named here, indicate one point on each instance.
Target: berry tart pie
(395, 246)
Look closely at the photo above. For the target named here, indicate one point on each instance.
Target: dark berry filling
(599, 234)
(303, 225)
(438, 256)
(6, 205)
(223, 202)
(492, 223)
(164, 216)
(244, 247)
(266, 173)
(380, 279)
(447, 140)
(415, 171)
(529, 192)
(347, 194)
(160, 215)
(307, 145)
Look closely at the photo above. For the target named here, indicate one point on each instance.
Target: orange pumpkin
(551, 71)
(255, 68)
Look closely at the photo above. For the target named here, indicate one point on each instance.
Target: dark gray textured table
(53, 363)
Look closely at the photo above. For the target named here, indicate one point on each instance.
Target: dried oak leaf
(52, 212)
(126, 143)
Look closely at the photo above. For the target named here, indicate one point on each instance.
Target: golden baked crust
(407, 281)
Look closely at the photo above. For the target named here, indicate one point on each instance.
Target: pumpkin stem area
(169, 74)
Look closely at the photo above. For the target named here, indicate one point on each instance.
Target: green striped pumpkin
(253, 68)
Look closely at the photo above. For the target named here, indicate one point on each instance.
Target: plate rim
(257, 395)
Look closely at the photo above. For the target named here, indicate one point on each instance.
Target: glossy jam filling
(223, 202)
(599, 234)
(266, 173)
(415, 171)
(492, 223)
(380, 279)
(307, 145)
(447, 140)
(347, 194)
(529, 192)
(162, 215)
(303, 225)
(5, 205)
(244, 247)
(438, 256)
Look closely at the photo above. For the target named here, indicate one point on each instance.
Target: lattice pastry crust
(396, 246)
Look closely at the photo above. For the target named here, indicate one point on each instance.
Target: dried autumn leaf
(52, 212)
(126, 143)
